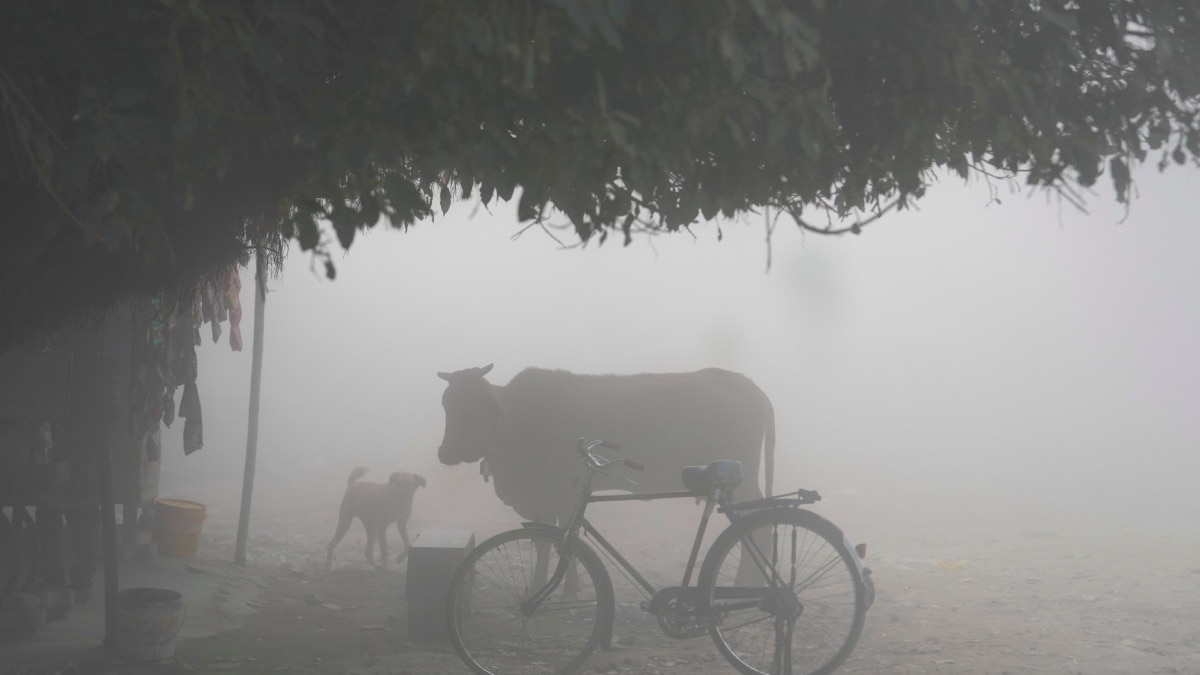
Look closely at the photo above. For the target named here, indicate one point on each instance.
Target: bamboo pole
(260, 299)
(108, 511)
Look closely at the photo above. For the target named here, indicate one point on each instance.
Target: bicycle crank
(678, 614)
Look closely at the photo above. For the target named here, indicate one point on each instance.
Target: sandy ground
(980, 589)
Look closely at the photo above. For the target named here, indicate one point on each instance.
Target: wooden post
(108, 511)
(260, 299)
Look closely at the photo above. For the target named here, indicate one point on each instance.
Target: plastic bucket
(177, 524)
(148, 619)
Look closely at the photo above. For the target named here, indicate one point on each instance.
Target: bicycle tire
(487, 627)
(823, 593)
(10, 556)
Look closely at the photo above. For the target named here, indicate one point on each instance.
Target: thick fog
(972, 357)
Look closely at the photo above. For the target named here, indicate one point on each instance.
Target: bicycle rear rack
(791, 499)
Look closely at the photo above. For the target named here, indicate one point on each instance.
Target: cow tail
(769, 447)
(356, 474)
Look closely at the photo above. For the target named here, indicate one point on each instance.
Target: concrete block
(431, 563)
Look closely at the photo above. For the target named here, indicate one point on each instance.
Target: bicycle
(781, 589)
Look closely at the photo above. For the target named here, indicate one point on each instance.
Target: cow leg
(541, 565)
(541, 571)
(343, 526)
(571, 588)
(748, 573)
(402, 528)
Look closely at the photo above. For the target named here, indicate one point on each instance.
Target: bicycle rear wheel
(806, 622)
(494, 636)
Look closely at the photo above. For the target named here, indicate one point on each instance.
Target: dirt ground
(986, 589)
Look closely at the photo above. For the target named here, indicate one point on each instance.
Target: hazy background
(968, 359)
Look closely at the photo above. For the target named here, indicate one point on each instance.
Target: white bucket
(148, 619)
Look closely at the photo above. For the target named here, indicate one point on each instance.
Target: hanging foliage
(145, 143)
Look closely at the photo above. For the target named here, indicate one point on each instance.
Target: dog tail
(356, 474)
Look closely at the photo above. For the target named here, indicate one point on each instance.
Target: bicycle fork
(530, 605)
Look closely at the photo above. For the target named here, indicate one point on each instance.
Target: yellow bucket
(177, 524)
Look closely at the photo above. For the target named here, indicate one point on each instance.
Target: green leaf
(308, 233)
(528, 207)
(708, 205)
(1120, 176)
(345, 229)
(369, 212)
(505, 189)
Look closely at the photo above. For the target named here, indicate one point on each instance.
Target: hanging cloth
(189, 403)
(193, 428)
(233, 288)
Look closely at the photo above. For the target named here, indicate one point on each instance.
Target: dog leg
(383, 554)
(343, 526)
(402, 528)
(370, 550)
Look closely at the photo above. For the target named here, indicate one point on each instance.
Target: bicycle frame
(719, 498)
(579, 522)
(591, 531)
(739, 597)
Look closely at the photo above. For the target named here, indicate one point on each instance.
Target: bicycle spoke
(491, 631)
(802, 615)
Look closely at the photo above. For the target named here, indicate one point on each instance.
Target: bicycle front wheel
(495, 635)
(784, 593)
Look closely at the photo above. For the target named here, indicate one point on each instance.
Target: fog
(973, 357)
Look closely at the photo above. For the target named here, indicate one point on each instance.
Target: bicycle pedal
(645, 605)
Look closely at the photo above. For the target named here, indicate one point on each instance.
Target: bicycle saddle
(723, 473)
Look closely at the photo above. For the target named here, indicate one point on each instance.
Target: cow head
(472, 416)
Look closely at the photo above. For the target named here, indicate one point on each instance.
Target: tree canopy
(147, 143)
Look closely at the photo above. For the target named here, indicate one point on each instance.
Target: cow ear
(486, 369)
(444, 376)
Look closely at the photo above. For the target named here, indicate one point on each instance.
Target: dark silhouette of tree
(148, 142)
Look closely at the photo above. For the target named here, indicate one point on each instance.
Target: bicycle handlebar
(596, 462)
(584, 446)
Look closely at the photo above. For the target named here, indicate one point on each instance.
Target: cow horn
(486, 369)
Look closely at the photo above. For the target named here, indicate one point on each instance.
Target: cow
(525, 431)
